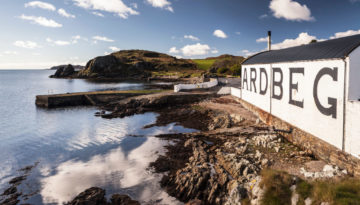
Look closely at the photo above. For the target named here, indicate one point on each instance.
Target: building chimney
(269, 40)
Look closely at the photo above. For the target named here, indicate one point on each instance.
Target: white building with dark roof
(314, 88)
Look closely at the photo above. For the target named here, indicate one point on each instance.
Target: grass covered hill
(221, 65)
(136, 64)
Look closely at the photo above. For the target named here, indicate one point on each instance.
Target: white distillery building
(314, 87)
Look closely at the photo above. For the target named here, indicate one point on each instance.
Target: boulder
(64, 72)
(91, 196)
(96, 196)
(118, 199)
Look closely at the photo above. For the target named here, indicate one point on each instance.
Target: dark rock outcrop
(111, 66)
(76, 67)
(64, 72)
(96, 196)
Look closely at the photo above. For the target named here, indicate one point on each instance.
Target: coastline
(224, 160)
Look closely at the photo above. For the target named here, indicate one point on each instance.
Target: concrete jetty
(87, 98)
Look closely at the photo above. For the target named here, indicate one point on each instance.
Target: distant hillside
(134, 64)
(221, 65)
(140, 64)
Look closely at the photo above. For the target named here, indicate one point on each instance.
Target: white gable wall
(354, 75)
(352, 128)
(352, 115)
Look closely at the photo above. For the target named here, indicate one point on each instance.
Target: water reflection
(74, 149)
(121, 170)
(118, 170)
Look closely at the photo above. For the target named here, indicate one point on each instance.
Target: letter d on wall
(330, 111)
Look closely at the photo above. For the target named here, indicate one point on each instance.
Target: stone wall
(318, 147)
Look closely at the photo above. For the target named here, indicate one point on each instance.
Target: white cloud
(219, 33)
(10, 53)
(345, 33)
(164, 4)
(214, 51)
(113, 6)
(63, 13)
(290, 10)
(134, 5)
(174, 50)
(62, 43)
(42, 21)
(102, 38)
(26, 44)
(195, 49)
(260, 40)
(191, 37)
(114, 48)
(40, 4)
(179, 57)
(76, 38)
(98, 14)
(264, 16)
(107, 53)
(74, 58)
(238, 33)
(303, 38)
(58, 43)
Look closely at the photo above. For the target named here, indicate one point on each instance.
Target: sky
(41, 34)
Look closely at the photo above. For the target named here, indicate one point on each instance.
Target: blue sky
(39, 34)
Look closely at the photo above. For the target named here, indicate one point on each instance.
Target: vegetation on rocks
(221, 65)
(227, 65)
(134, 63)
(277, 186)
(204, 64)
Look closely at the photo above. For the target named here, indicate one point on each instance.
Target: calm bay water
(75, 150)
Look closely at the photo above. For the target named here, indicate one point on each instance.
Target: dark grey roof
(336, 48)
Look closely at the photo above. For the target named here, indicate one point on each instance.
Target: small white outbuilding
(314, 87)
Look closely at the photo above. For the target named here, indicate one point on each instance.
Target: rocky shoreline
(232, 158)
(225, 161)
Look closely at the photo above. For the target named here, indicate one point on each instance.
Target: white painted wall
(248, 89)
(307, 118)
(236, 92)
(352, 128)
(354, 75)
(212, 83)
